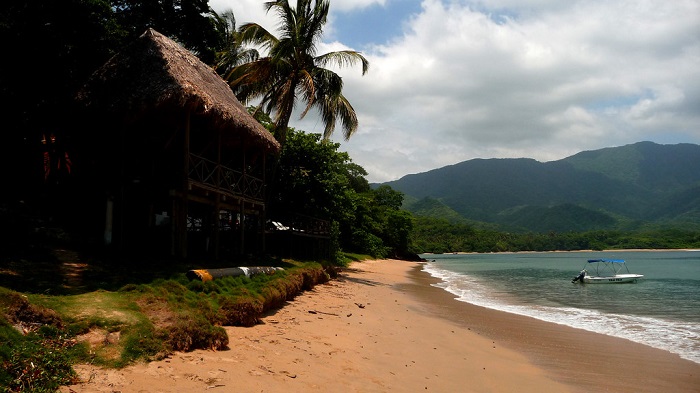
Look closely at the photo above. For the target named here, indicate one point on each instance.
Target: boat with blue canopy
(606, 271)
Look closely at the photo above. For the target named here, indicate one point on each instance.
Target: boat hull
(617, 279)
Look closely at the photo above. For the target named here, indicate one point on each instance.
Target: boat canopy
(606, 260)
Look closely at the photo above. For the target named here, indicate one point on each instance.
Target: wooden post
(244, 173)
(241, 208)
(174, 224)
(263, 216)
(182, 235)
(217, 200)
(109, 217)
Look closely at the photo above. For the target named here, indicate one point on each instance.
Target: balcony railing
(225, 179)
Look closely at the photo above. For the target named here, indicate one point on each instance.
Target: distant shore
(566, 251)
(382, 327)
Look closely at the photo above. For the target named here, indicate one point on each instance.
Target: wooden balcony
(209, 175)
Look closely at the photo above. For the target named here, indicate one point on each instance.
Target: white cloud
(247, 11)
(461, 85)
(254, 10)
(506, 78)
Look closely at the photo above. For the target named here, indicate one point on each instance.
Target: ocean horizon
(662, 310)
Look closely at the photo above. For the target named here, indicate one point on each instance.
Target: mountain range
(624, 188)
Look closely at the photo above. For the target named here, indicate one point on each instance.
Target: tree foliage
(52, 47)
(50, 50)
(231, 51)
(292, 69)
(191, 22)
(441, 236)
(313, 178)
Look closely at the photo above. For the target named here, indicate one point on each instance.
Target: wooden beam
(182, 214)
(217, 223)
(263, 218)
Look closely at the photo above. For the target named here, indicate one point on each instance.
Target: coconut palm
(231, 53)
(292, 69)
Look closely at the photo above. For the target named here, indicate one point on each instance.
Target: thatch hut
(178, 159)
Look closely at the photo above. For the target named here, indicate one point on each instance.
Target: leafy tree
(388, 197)
(50, 48)
(311, 178)
(440, 235)
(314, 179)
(356, 176)
(292, 68)
(399, 224)
(380, 227)
(191, 22)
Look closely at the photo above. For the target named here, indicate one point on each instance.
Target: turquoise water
(662, 310)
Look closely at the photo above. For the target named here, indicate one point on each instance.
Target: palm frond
(317, 21)
(292, 68)
(348, 117)
(344, 58)
(308, 88)
(338, 108)
(253, 33)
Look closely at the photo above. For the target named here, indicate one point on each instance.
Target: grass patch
(41, 335)
(36, 352)
(345, 258)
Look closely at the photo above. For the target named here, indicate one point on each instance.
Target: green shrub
(190, 333)
(35, 362)
(140, 342)
(241, 311)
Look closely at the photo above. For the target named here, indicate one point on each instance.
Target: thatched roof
(154, 72)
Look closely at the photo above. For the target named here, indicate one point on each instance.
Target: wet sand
(584, 360)
(381, 327)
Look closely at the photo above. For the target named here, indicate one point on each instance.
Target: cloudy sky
(451, 81)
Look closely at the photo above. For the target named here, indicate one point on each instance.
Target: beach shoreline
(576, 357)
(381, 326)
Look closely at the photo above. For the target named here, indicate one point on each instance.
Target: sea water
(661, 310)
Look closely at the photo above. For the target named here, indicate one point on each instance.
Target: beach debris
(360, 305)
(210, 274)
(321, 312)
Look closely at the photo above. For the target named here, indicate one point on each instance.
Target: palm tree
(292, 68)
(231, 53)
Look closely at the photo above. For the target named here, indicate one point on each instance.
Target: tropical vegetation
(127, 320)
(315, 179)
(159, 310)
(292, 69)
(626, 188)
(440, 235)
(232, 52)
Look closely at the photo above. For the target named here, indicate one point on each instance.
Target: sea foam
(677, 337)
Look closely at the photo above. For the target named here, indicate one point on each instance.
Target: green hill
(643, 184)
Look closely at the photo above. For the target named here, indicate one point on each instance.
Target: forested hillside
(643, 185)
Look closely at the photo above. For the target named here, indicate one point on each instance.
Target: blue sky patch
(374, 25)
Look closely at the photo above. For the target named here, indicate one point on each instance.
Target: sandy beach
(381, 327)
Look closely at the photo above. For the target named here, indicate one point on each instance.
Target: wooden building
(175, 161)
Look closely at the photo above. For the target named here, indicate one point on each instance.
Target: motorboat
(606, 271)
